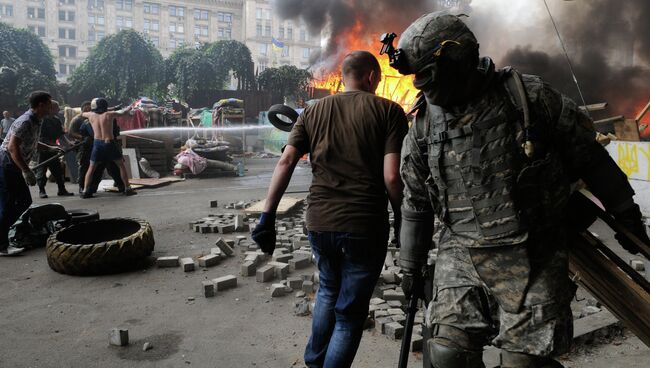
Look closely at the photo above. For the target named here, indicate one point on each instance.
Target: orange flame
(393, 85)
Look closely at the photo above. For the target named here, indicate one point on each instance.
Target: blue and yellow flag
(277, 45)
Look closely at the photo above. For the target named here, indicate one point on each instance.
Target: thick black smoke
(609, 43)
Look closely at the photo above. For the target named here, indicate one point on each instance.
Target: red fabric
(131, 122)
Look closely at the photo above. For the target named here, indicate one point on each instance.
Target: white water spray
(195, 130)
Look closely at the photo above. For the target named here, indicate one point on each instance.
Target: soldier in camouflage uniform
(493, 154)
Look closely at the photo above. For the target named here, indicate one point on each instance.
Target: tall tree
(121, 66)
(287, 81)
(232, 56)
(26, 64)
(189, 73)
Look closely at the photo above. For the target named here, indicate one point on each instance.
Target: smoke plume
(607, 40)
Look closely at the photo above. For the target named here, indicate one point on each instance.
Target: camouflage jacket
(468, 165)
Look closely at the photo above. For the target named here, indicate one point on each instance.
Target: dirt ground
(53, 320)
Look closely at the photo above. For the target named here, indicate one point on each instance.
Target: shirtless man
(105, 146)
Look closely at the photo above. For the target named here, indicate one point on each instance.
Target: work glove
(264, 233)
(30, 178)
(412, 287)
(631, 220)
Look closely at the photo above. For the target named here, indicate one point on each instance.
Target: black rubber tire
(107, 256)
(284, 110)
(79, 216)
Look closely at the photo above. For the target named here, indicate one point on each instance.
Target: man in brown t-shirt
(354, 141)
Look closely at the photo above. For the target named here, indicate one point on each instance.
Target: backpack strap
(515, 87)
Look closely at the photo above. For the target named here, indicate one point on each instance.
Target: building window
(227, 33)
(200, 30)
(267, 14)
(123, 23)
(36, 13)
(66, 2)
(176, 27)
(258, 30)
(39, 30)
(305, 53)
(96, 19)
(124, 4)
(281, 33)
(95, 36)
(6, 10)
(151, 25)
(285, 51)
(258, 13)
(224, 17)
(66, 16)
(63, 69)
(68, 51)
(155, 41)
(303, 35)
(69, 34)
(201, 14)
(96, 4)
(264, 49)
(176, 11)
(261, 66)
(71, 68)
(151, 8)
(267, 30)
(289, 33)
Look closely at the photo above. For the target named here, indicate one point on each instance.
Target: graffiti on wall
(633, 158)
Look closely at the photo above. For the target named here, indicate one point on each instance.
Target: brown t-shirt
(347, 136)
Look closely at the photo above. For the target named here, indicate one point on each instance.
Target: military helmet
(431, 36)
(99, 105)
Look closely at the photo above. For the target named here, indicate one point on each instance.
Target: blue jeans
(349, 265)
(15, 199)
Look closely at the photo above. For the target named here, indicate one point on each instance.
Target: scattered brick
(208, 289)
(171, 261)
(187, 264)
(225, 282)
(265, 273)
(119, 337)
(209, 260)
(248, 269)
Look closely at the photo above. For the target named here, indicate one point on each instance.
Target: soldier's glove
(631, 220)
(29, 177)
(416, 232)
(264, 233)
(397, 225)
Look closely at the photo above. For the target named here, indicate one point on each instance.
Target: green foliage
(287, 80)
(121, 66)
(232, 56)
(190, 72)
(26, 65)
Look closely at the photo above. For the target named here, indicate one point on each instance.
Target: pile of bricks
(225, 223)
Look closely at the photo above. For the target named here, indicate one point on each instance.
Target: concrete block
(240, 223)
(399, 319)
(389, 277)
(295, 283)
(299, 262)
(225, 282)
(278, 290)
(281, 269)
(389, 261)
(216, 251)
(265, 273)
(214, 204)
(208, 288)
(230, 242)
(381, 322)
(394, 304)
(209, 260)
(197, 228)
(226, 229)
(225, 248)
(308, 287)
(248, 269)
(394, 330)
(187, 264)
(394, 295)
(416, 343)
(205, 229)
(381, 313)
(284, 258)
(171, 261)
(637, 265)
(376, 301)
(395, 312)
(119, 337)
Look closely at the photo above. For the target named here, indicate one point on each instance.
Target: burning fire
(393, 85)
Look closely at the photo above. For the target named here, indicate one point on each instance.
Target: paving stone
(416, 343)
(395, 312)
(399, 319)
(239, 238)
(216, 251)
(394, 330)
(394, 295)
(295, 283)
(394, 303)
(308, 287)
(381, 322)
(317, 277)
(208, 288)
(381, 313)
(299, 262)
(230, 242)
(637, 265)
(376, 301)
(119, 337)
(265, 273)
(300, 294)
(193, 224)
(248, 269)
(225, 248)
(281, 269)
(389, 277)
(214, 204)
(389, 261)
(309, 277)
(278, 290)
(226, 229)
(187, 264)
(197, 228)
(147, 346)
(284, 258)
(225, 282)
(170, 261)
(209, 260)
(205, 229)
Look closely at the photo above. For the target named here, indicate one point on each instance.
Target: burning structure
(606, 40)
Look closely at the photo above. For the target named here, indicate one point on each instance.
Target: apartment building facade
(70, 28)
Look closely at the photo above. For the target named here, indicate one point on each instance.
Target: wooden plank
(643, 112)
(627, 130)
(155, 183)
(286, 205)
(593, 268)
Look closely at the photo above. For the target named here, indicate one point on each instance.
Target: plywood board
(627, 130)
(155, 183)
(131, 162)
(286, 205)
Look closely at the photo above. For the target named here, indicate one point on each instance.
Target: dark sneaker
(42, 194)
(87, 195)
(64, 193)
(130, 192)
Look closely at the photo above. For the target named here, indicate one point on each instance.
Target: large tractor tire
(100, 247)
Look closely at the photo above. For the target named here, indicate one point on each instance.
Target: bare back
(102, 124)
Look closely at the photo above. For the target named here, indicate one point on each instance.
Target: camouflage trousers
(541, 324)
